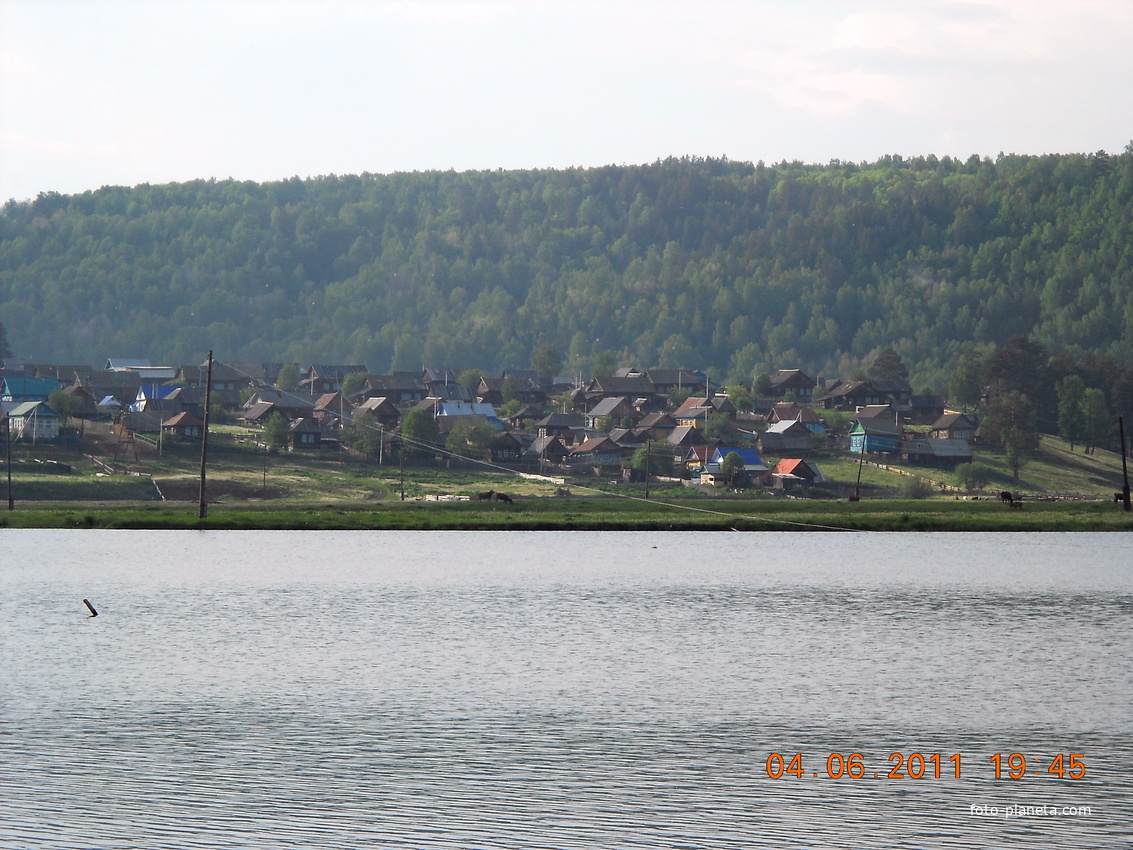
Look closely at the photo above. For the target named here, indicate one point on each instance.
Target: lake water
(561, 690)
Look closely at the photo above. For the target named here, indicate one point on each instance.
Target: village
(634, 426)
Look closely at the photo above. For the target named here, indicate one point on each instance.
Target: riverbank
(596, 513)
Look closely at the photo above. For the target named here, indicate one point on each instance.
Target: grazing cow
(1017, 505)
(504, 497)
(485, 497)
(1006, 497)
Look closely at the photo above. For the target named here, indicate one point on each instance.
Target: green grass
(329, 491)
(599, 513)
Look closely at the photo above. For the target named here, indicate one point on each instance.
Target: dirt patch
(188, 490)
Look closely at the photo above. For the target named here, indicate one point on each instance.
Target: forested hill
(730, 267)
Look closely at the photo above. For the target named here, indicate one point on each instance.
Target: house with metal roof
(616, 408)
(795, 472)
(789, 437)
(19, 390)
(33, 422)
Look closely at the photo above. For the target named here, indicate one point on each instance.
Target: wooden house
(401, 388)
(789, 437)
(955, 426)
(616, 408)
(505, 447)
(881, 436)
(668, 381)
(291, 405)
(327, 378)
(794, 472)
(794, 382)
(227, 381)
(33, 422)
(637, 389)
(753, 463)
(20, 390)
(184, 425)
(548, 449)
(936, 452)
(596, 452)
(305, 433)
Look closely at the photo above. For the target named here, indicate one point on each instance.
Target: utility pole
(858, 484)
(203, 508)
(1124, 466)
(648, 454)
(8, 436)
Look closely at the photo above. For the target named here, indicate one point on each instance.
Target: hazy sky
(97, 92)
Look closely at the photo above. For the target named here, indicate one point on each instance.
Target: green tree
(1095, 419)
(288, 378)
(966, 384)
(420, 434)
(469, 378)
(1022, 366)
(276, 430)
(508, 389)
(973, 476)
(887, 365)
(65, 404)
(547, 361)
(732, 467)
(657, 454)
(470, 439)
(605, 362)
(1010, 422)
(5, 349)
(720, 427)
(1071, 389)
(352, 383)
(915, 487)
(740, 398)
(761, 386)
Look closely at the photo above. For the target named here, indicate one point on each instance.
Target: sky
(122, 92)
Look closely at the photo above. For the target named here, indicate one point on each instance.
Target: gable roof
(752, 461)
(607, 406)
(595, 444)
(181, 420)
(791, 376)
(29, 389)
(32, 408)
(633, 385)
(787, 426)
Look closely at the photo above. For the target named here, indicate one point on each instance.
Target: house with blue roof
(753, 464)
(19, 390)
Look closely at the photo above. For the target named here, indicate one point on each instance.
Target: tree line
(735, 268)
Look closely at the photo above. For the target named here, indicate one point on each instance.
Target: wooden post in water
(90, 608)
(203, 510)
(1124, 466)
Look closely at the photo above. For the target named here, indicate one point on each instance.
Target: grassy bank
(593, 513)
(63, 487)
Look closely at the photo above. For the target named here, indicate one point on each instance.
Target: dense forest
(730, 267)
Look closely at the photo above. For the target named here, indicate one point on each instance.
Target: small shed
(305, 433)
(184, 425)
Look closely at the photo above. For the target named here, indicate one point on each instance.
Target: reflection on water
(558, 689)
